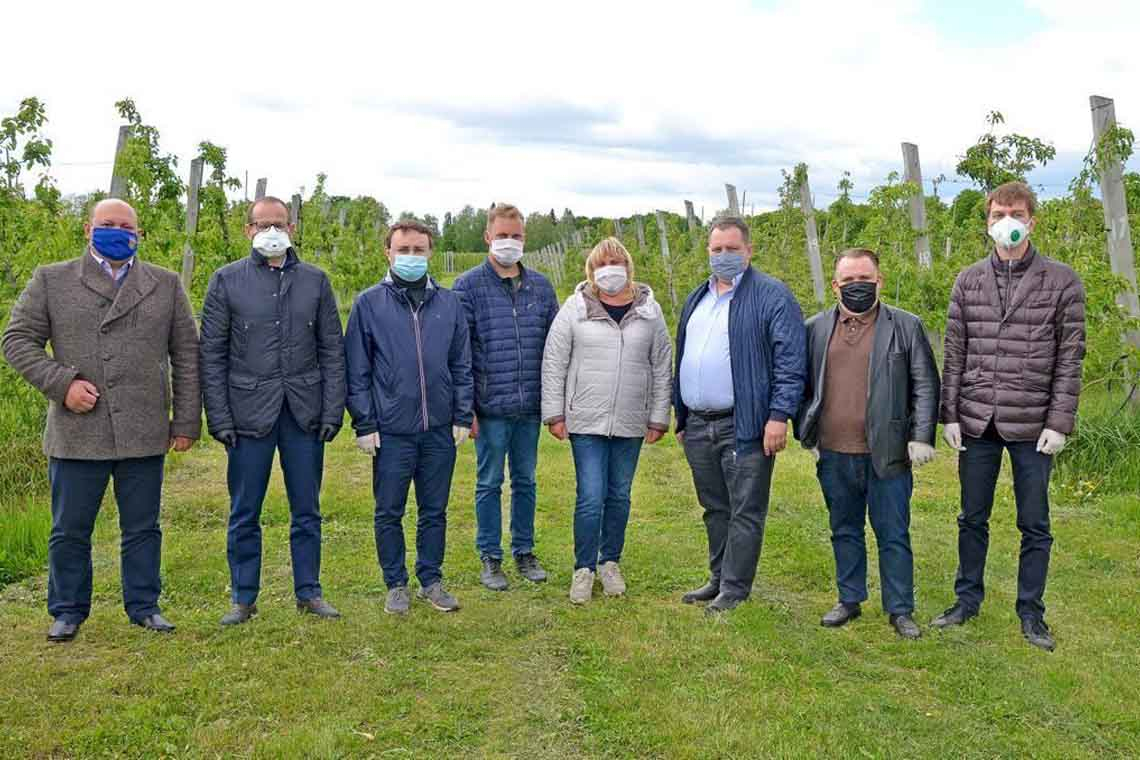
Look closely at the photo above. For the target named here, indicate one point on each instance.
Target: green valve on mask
(1015, 235)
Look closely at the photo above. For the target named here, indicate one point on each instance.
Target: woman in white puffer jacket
(607, 385)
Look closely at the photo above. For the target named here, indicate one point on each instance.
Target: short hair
(858, 253)
(267, 199)
(505, 211)
(610, 246)
(729, 222)
(1010, 193)
(408, 225)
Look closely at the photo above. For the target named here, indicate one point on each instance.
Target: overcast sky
(608, 108)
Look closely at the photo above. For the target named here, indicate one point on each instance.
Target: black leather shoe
(239, 613)
(156, 623)
(905, 626)
(319, 607)
(841, 614)
(530, 568)
(62, 631)
(1037, 634)
(705, 593)
(723, 603)
(956, 615)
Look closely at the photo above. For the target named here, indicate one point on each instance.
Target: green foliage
(994, 160)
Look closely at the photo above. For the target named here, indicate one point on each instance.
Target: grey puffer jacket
(603, 378)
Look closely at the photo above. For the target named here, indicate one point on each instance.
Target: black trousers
(978, 468)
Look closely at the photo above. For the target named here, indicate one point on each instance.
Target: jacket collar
(490, 271)
(291, 258)
(1033, 269)
(642, 305)
(135, 286)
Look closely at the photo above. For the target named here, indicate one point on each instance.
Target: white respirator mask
(611, 279)
(507, 251)
(1008, 232)
(271, 243)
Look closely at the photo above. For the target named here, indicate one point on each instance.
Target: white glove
(815, 452)
(953, 435)
(1051, 442)
(919, 453)
(368, 443)
(460, 434)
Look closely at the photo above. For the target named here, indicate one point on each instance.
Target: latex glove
(227, 438)
(460, 434)
(368, 443)
(1051, 442)
(327, 432)
(952, 433)
(815, 452)
(919, 453)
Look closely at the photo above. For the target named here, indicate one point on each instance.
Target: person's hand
(558, 429)
(919, 453)
(180, 443)
(459, 434)
(653, 435)
(327, 432)
(952, 433)
(1051, 442)
(474, 428)
(368, 443)
(815, 452)
(81, 396)
(680, 437)
(775, 437)
(227, 438)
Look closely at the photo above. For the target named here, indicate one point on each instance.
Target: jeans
(428, 458)
(732, 486)
(77, 488)
(852, 490)
(978, 468)
(604, 469)
(501, 439)
(250, 464)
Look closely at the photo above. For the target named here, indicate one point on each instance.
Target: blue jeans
(604, 469)
(852, 490)
(77, 488)
(250, 464)
(428, 458)
(514, 439)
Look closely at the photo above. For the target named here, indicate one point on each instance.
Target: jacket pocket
(239, 338)
(243, 382)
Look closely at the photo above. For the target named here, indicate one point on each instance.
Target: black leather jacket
(902, 390)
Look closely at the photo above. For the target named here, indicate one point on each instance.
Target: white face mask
(507, 251)
(611, 279)
(1008, 232)
(271, 243)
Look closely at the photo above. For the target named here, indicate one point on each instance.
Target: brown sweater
(843, 420)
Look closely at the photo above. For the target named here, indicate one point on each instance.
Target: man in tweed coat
(119, 328)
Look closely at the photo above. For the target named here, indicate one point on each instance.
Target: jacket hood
(588, 306)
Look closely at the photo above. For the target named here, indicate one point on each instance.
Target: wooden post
(191, 222)
(639, 228)
(690, 216)
(1116, 211)
(912, 172)
(812, 240)
(118, 181)
(664, 238)
(295, 218)
(733, 204)
(260, 193)
(617, 228)
(948, 247)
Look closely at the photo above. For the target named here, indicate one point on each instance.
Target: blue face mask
(726, 265)
(410, 267)
(114, 243)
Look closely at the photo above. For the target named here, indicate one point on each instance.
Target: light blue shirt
(706, 367)
(117, 276)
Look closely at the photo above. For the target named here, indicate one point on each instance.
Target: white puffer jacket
(603, 378)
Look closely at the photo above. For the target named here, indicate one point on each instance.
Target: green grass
(524, 674)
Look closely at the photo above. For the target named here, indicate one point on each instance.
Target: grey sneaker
(529, 568)
(318, 607)
(613, 584)
(438, 598)
(492, 574)
(239, 613)
(1037, 634)
(582, 585)
(398, 601)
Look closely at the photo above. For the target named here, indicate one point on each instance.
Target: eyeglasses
(263, 226)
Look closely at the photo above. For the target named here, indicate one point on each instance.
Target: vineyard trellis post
(690, 217)
(118, 181)
(617, 228)
(814, 259)
(295, 216)
(260, 193)
(664, 237)
(639, 228)
(912, 172)
(192, 207)
(733, 203)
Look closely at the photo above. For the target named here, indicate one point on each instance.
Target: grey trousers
(732, 487)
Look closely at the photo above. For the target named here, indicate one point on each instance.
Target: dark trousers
(732, 486)
(77, 488)
(978, 468)
(852, 490)
(603, 470)
(250, 464)
(502, 440)
(427, 458)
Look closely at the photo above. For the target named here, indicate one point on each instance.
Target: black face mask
(859, 297)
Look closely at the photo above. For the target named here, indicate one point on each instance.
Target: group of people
(422, 368)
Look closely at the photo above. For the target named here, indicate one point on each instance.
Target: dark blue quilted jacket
(508, 334)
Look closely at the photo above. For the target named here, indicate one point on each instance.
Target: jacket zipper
(617, 384)
(518, 341)
(420, 360)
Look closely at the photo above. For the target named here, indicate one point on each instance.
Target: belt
(710, 416)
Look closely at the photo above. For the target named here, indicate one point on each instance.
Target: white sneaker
(612, 582)
(582, 587)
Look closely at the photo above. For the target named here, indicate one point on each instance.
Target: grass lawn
(524, 674)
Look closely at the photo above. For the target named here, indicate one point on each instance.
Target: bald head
(112, 212)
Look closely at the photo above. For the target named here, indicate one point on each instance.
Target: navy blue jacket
(508, 334)
(767, 346)
(408, 370)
